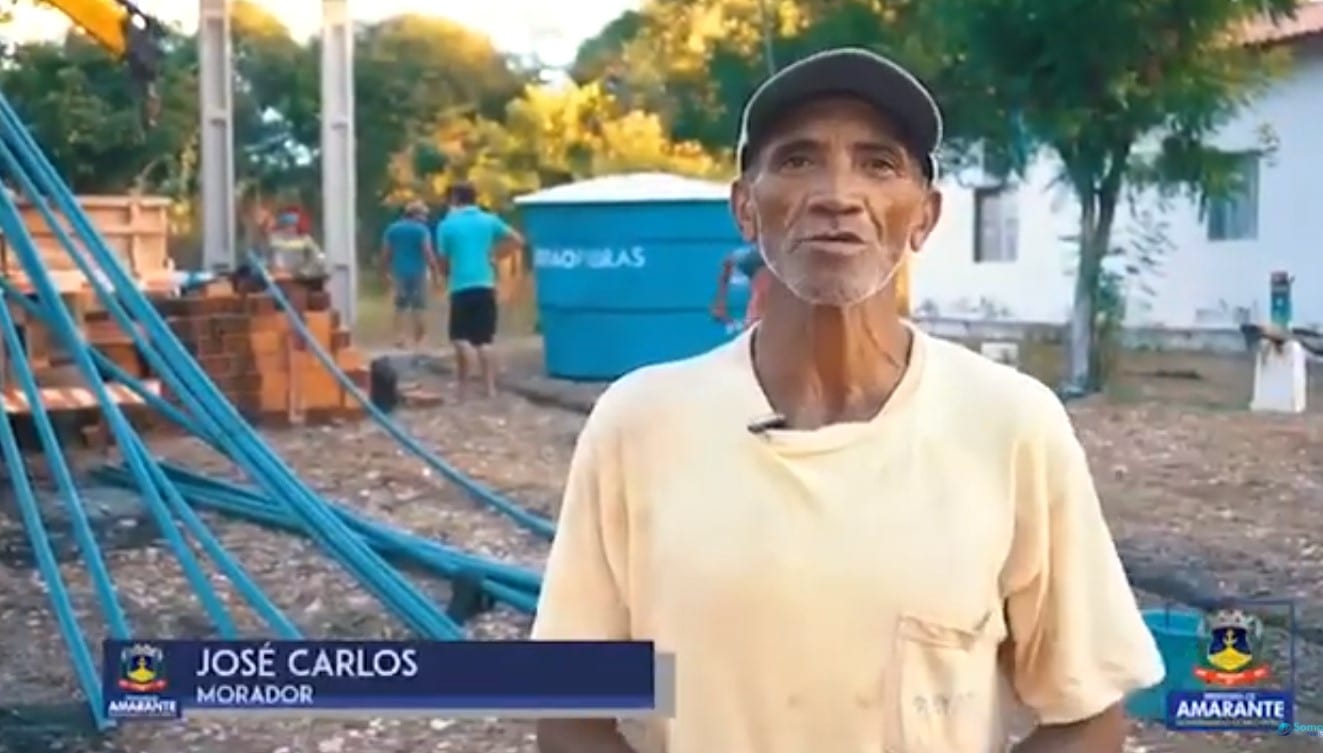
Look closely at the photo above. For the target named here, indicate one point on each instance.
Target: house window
(1235, 216)
(996, 224)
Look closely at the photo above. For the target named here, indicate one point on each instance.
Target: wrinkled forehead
(831, 119)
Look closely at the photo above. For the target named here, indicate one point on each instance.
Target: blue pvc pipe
(519, 577)
(402, 540)
(134, 449)
(219, 496)
(531, 522)
(117, 621)
(219, 418)
(112, 304)
(523, 584)
(11, 224)
(405, 543)
(117, 373)
(89, 679)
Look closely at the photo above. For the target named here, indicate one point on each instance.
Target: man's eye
(881, 165)
(795, 161)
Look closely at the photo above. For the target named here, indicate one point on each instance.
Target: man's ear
(741, 208)
(928, 217)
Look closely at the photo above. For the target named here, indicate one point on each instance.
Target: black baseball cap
(846, 72)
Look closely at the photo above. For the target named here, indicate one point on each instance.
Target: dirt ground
(1200, 494)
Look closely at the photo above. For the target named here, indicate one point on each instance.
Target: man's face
(835, 202)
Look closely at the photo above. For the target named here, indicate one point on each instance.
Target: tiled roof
(1308, 22)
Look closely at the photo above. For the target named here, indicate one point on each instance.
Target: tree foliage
(1120, 95)
(76, 90)
(1133, 100)
(435, 103)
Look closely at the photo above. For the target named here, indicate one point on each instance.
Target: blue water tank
(626, 269)
(1179, 635)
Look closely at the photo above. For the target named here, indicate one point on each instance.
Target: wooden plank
(294, 376)
(42, 344)
(134, 228)
(15, 401)
(132, 252)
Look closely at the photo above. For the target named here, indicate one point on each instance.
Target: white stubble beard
(850, 292)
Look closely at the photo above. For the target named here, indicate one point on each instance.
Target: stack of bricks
(247, 346)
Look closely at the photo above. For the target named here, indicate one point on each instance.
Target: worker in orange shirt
(749, 261)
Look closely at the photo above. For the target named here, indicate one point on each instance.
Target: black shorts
(473, 316)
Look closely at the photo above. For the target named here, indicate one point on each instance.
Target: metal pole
(338, 175)
(215, 93)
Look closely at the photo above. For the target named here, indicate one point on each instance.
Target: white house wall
(947, 283)
(1197, 283)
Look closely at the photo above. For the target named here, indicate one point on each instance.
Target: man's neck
(821, 365)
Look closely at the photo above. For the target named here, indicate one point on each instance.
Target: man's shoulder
(658, 396)
(462, 219)
(401, 231)
(975, 385)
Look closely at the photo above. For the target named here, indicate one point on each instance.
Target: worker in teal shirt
(470, 240)
(407, 258)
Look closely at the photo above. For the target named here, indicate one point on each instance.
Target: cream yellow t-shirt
(908, 584)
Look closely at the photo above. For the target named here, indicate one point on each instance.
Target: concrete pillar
(215, 96)
(338, 175)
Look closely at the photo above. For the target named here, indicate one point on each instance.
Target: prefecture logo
(1231, 659)
(140, 681)
(1241, 691)
(142, 669)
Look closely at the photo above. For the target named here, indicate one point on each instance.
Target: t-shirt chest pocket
(943, 685)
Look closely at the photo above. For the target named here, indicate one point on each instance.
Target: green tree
(413, 73)
(1090, 84)
(599, 56)
(695, 61)
(83, 110)
(576, 132)
(277, 103)
(549, 136)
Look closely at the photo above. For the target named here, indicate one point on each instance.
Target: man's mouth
(843, 236)
(837, 243)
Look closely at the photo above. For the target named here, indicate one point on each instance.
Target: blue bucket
(1179, 636)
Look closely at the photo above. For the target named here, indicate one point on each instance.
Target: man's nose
(837, 190)
(835, 200)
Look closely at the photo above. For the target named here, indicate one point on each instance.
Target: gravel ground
(1225, 500)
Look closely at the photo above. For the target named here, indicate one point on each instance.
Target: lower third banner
(151, 679)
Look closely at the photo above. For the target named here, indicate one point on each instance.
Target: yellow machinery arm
(128, 33)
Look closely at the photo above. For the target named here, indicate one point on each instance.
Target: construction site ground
(1200, 494)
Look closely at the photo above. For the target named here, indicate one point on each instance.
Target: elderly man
(854, 537)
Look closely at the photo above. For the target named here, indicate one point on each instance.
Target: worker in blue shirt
(407, 259)
(470, 240)
(749, 261)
